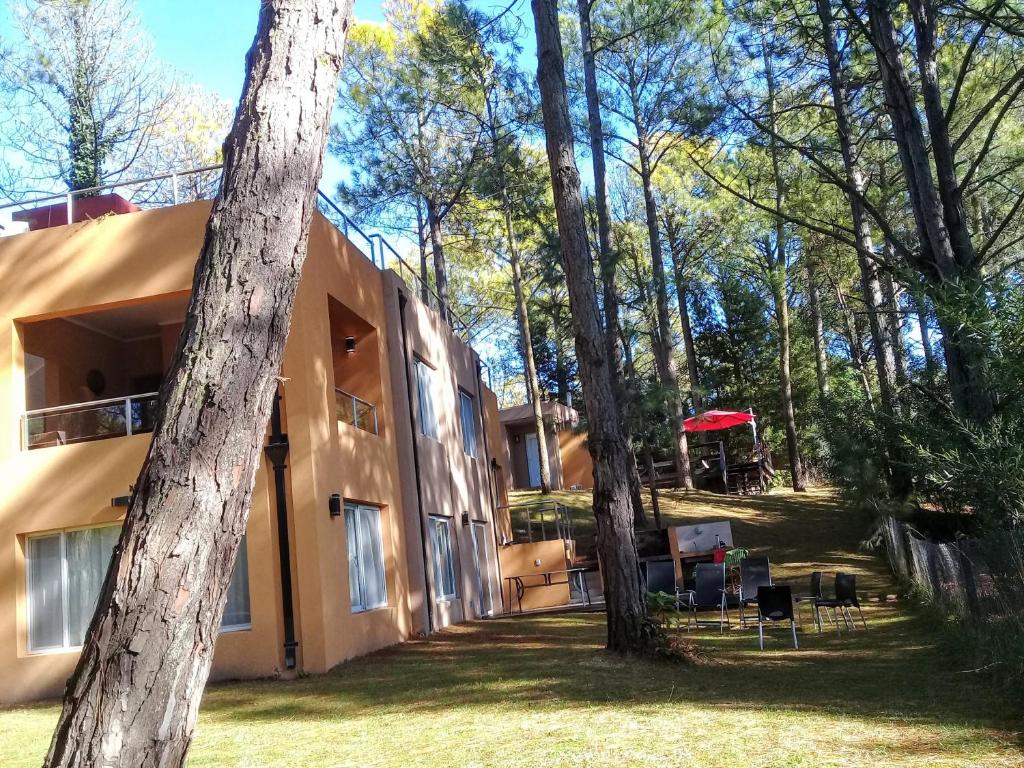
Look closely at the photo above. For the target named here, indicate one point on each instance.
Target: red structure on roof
(712, 420)
(83, 209)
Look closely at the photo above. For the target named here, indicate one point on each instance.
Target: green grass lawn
(539, 691)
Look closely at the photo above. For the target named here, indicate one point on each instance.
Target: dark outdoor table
(546, 575)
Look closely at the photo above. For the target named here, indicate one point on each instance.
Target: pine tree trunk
(607, 257)
(786, 387)
(948, 261)
(817, 325)
(778, 277)
(595, 129)
(921, 307)
(663, 350)
(879, 318)
(629, 631)
(522, 311)
(421, 227)
(440, 264)
(679, 276)
(134, 696)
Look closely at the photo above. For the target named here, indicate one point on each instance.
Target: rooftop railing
(203, 183)
(85, 422)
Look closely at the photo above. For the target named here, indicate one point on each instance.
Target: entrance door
(533, 459)
(483, 584)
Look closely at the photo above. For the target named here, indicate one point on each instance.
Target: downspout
(489, 477)
(277, 451)
(428, 598)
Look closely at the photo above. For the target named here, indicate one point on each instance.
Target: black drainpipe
(277, 451)
(402, 301)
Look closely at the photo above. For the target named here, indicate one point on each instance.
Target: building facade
(568, 456)
(375, 511)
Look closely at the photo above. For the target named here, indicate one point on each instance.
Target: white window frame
(426, 410)
(65, 645)
(469, 441)
(362, 606)
(435, 521)
(64, 609)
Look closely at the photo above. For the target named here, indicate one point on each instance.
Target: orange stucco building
(375, 513)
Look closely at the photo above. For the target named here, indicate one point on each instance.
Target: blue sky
(212, 52)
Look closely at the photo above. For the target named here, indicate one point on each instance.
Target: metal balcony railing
(85, 422)
(540, 521)
(355, 411)
(204, 182)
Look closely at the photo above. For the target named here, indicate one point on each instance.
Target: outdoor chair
(775, 604)
(845, 599)
(755, 572)
(708, 595)
(813, 598)
(661, 577)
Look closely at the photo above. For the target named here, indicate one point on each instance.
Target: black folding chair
(775, 604)
(813, 598)
(755, 572)
(708, 595)
(845, 599)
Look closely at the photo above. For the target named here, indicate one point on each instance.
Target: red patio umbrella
(712, 420)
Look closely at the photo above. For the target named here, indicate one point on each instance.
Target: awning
(712, 420)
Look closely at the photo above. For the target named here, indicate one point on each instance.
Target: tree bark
(679, 275)
(817, 325)
(440, 264)
(629, 630)
(607, 258)
(930, 367)
(947, 258)
(652, 484)
(778, 278)
(880, 321)
(134, 696)
(525, 336)
(663, 350)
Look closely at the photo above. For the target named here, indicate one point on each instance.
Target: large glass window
(425, 396)
(444, 564)
(468, 418)
(65, 576)
(367, 587)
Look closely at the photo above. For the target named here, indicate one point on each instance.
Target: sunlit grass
(539, 691)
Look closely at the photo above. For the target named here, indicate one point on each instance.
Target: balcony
(355, 411)
(85, 422)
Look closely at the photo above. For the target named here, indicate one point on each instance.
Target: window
(236, 611)
(424, 392)
(366, 584)
(468, 414)
(65, 575)
(444, 566)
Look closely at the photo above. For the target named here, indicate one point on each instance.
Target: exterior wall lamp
(350, 344)
(334, 505)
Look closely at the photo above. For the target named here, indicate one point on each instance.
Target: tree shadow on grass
(894, 671)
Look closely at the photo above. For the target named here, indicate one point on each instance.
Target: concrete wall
(529, 561)
(122, 260)
(115, 261)
(445, 481)
(577, 465)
